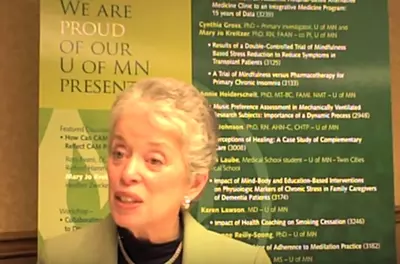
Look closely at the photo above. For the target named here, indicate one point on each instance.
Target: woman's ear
(197, 185)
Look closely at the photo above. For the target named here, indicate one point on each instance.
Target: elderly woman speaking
(162, 146)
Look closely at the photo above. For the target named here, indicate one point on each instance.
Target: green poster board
(302, 90)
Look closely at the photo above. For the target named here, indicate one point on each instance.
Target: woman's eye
(117, 154)
(155, 161)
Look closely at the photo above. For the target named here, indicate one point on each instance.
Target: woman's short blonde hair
(178, 105)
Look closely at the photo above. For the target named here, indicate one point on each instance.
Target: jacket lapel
(106, 249)
(105, 245)
(194, 238)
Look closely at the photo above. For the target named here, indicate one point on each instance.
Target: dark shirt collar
(143, 251)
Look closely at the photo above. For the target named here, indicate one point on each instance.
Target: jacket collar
(107, 244)
(192, 239)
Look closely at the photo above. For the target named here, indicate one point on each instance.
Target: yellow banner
(91, 50)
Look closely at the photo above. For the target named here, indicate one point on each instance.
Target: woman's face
(146, 170)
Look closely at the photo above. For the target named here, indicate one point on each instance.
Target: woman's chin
(126, 219)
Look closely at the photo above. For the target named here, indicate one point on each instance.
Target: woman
(162, 145)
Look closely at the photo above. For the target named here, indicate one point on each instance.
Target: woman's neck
(164, 232)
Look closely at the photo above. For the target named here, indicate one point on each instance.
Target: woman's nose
(131, 173)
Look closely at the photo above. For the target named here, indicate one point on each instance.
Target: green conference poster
(302, 92)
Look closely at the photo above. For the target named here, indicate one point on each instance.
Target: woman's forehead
(144, 133)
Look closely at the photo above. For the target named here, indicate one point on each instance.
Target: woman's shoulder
(206, 244)
(78, 246)
(234, 250)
